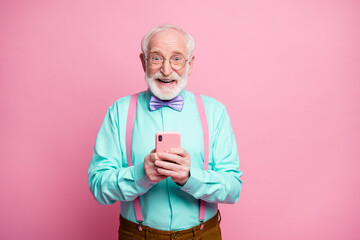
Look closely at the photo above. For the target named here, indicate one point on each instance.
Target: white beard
(167, 93)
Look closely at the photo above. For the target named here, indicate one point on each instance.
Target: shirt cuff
(141, 178)
(194, 183)
(199, 180)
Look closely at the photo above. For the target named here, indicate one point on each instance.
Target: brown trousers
(211, 231)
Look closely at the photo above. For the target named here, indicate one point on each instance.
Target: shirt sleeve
(221, 184)
(109, 180)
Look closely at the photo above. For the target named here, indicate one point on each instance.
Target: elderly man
(174, 193)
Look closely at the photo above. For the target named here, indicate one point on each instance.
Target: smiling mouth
(165, 80)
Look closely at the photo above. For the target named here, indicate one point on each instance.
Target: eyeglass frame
(163, 59)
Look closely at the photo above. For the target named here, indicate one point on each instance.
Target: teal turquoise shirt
(165, 205)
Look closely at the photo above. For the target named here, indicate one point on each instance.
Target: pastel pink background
(288, 72)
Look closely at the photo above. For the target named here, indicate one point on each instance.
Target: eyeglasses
(177, 62)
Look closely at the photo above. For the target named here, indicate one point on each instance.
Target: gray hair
(161, 28)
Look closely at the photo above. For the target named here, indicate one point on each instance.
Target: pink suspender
(129, 129)
(204, 124)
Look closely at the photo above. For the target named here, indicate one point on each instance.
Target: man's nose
(166, 68)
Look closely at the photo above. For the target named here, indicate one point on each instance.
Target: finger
(178, 151)
(157, 177)
(170, 157)
(167, 165)
(168, 173)
(153, 156)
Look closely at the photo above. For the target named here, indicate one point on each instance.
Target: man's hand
(174, 163)
(151, 169)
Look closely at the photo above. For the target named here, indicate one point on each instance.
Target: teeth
(165, 81)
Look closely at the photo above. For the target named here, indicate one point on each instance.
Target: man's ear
(191, 63)
(142, 58)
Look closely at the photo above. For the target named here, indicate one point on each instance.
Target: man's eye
(156, 58)
(176, 58)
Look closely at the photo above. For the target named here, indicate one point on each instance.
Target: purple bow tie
(176, 103)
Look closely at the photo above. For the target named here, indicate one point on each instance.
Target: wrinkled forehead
(168, 42)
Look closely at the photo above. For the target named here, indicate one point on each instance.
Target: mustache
(171, 76)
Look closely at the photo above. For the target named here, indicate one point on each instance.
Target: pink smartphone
(166, 140)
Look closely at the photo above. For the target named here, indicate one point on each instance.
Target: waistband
(194, 231)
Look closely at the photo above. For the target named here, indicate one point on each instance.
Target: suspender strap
(129, 130)
(204, 124)
(129, 126)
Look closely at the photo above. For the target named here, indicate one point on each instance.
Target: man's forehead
(169, 39)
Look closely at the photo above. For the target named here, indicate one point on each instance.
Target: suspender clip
(140, 226)
(201, 224)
